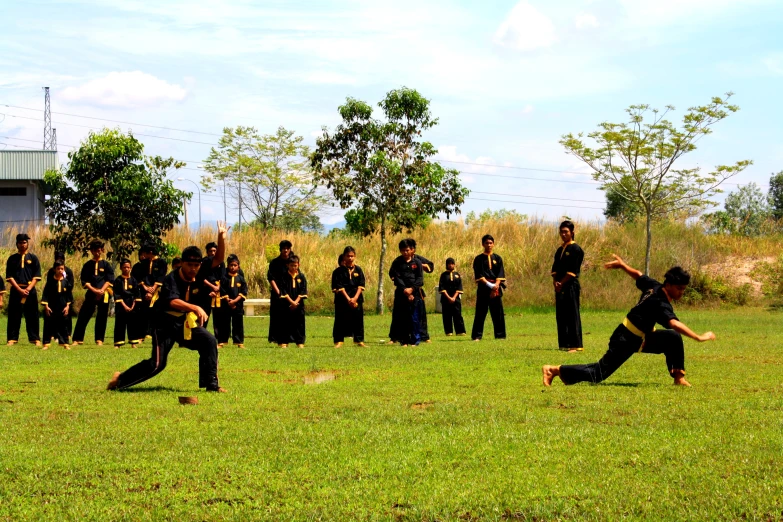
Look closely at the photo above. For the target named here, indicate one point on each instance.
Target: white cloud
(525, 28)
(584, 20)
(125, 89)
(528, 109)
(774, 64)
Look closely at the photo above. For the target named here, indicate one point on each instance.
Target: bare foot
(65, 346)
(37, 343)
(549, 373)
(45, 347)
(300, 346)
(338, 345)
(218, 390)
(114, 382)
(575, 350)
(283, 345)
(360, 344)
(240, 345)
(99, 343)
(11, 343)
(679, 378)
(391, 342)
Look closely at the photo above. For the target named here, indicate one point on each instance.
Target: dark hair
(340, 259)
(59, 255)
(57, 263)
(292, 259)
(677, 276)
(191, 254)
(176, 260)
(211, 244)
(147, 247)
(403, 244)
(95, 244)
(231, 259)
(125, 260)
(22, 237)
(450, 261)
(285, 244)
(411, 243)
(349, 249)
(569, 225)
(487, 236)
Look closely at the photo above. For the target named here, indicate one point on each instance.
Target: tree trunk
(381, 268)
(649, 244)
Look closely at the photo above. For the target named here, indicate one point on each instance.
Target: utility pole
(50, 142)
(240, 205)
(185, 211)
(54, 139)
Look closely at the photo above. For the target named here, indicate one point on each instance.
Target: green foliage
(383, 169)
(270, 175)
(705, 288)
(109, 190)
(771, 276)
(776, 195)
(495, 215)
(364, 223)
(618, 207)
(271, 252)
(745, 213)
(636, 160)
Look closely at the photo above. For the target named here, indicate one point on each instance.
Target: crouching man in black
(637, 332)
(177, 318)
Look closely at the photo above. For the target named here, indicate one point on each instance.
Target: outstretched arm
(220, 255)
(677, 326)
(617, 262)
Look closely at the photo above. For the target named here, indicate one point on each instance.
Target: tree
(495, 215)
(745, 212)
(365, 223)
(110, 190)
(270, 177)
(636, 160)
(775, 195)
(383, 169)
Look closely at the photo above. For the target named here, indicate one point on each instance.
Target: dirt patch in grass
(422, 405)
(319, 377)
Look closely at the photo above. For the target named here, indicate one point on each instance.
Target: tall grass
(527, 249)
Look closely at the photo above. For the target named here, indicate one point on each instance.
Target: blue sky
(506, 78)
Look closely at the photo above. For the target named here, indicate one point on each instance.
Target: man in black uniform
(177, 319)
(348, 287)
(637, 332)
(57, 297)
(407, 273)
(229, 317)
(149, 273)
(491, 280)
(127, 296)
(450, 287)
(278, 268)
(565, 277)
(22, 273)
(97, 277)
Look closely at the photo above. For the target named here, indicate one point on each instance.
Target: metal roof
(26, 164)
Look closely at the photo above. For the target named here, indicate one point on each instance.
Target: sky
(506, 80)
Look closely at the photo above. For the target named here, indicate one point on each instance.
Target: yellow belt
(634, 330)
(154, 295)
(191, 321)
(106, 294)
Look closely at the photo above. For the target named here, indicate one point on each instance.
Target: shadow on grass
(151, 389)
(621, 384)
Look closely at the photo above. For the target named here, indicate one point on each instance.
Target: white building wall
(22, 210)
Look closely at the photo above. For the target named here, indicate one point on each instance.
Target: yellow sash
(191, 321)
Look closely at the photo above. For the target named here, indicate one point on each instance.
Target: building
(21, 186)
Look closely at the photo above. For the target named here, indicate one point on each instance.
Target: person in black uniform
(407, 273)
(57, 298)
(348, 287)
(68, 275)
(230, 315)
(637, 332)
(277, 308)
(491, 280)
(293, 292)
(565, 278)
(450, 287)
(22, 273)
(176, 263)
(96, 277)
(127, 296)
(178, 319)
(148, 273)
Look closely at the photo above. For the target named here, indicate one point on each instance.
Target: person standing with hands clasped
(277, 308)
(229, 317)
(57, 298)
(450, 287)
(97, 277)
(22, 273)
(348, 287)
(293, 292)
(491, 280)
(565, 278)
(637, 332)
(127, 297)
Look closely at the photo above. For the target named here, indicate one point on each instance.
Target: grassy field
(452, 430)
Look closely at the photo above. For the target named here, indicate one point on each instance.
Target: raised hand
(617, 262)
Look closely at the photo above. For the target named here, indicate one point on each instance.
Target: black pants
(140, 327)
(124, 322)
(163, 341)
(495, 307)
(569, 322)
(622, 345)
(452, 316)
(277, 312)
(292, 327)
(348, 321)
(56, 326)
(408, 319)
(91, 302)
(28, 309)
(230, 323)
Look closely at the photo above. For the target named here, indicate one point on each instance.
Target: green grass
(449, 430)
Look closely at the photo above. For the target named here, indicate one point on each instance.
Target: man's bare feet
(45, 347)
(360, 344)
(37, 343)
(549, 373)
(11, 343)
(391, 342)
(575, 350)
(338, 345)
(240, 345)
(114, 382)
(679, 378)
(65, 346)
(283, 345)
(99, 343)
(300, 346)
(78, 343)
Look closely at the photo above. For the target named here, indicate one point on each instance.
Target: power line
(526, 203)
(534, 197)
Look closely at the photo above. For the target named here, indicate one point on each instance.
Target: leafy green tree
(636, 160)
(110, 190)
(744, 213)
(775, 195)
(269, 175)
(494, 215)
(383, 168)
